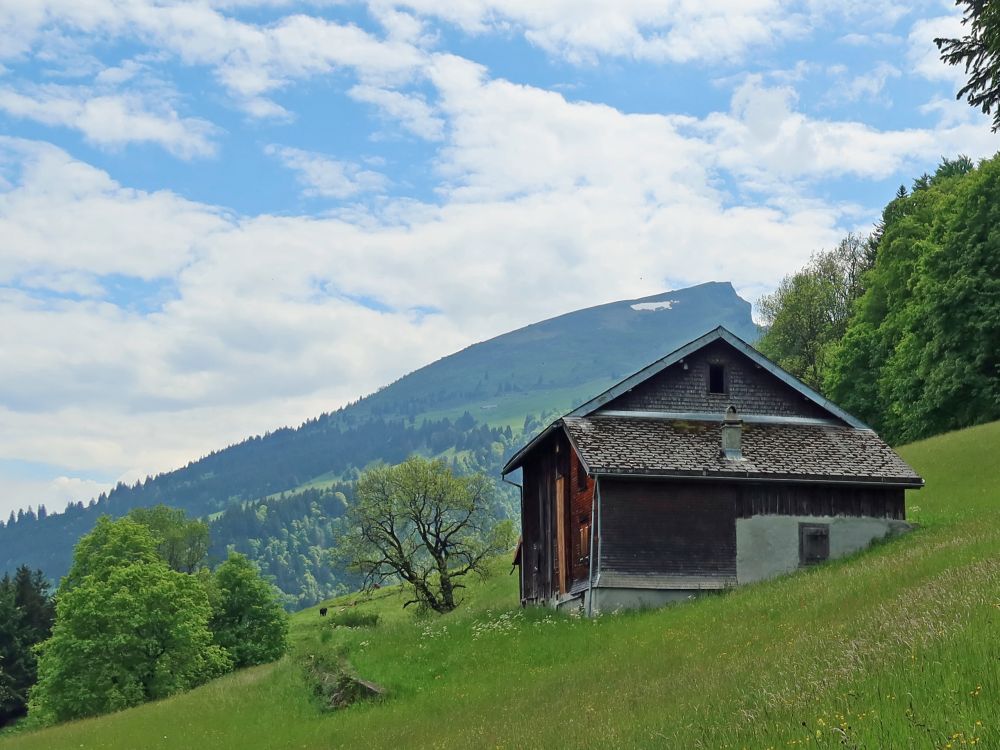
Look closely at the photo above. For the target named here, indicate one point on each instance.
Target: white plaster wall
(768, 546)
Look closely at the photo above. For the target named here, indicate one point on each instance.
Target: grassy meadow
(898, 647)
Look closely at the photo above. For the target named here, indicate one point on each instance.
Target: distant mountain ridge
(557, 356)
(470, 407)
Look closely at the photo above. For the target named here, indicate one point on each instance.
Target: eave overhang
(745, 476)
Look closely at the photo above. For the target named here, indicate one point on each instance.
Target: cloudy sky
(222, 216)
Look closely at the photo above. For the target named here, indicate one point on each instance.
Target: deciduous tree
(247, 618)
(182, 542)
(128, 629)
(419, 523)
(920, 355)
(809, 310)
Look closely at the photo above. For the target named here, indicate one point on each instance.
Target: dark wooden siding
(538, 547)
(531, 532)
(751, 389)
(820, 500)
(540, 554)
(670, 529)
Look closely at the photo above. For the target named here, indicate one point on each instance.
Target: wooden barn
(709, 468)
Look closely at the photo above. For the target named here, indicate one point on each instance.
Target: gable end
(711, 379)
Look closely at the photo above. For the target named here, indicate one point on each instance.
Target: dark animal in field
(322, 612)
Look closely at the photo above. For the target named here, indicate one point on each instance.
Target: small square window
(717, 378)
(814, 543)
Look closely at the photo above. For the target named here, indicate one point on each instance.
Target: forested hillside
(274, 497)
(902, 328)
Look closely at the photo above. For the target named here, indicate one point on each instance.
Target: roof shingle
(635, 445)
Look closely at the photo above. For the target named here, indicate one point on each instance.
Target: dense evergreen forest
(26, 616)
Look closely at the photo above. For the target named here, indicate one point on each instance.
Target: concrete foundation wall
(768, 546)
(607, 600)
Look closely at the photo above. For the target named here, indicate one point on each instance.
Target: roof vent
(732, 435)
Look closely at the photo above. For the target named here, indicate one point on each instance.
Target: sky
(219, 217)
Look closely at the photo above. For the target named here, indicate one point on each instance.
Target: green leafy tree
(110, 545)
(979, 52)
(809, 310)
(183, 542)
(420, 523)
(128, 629)
(921, 355)
(247, 618)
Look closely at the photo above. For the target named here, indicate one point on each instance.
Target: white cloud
(264, 327)
(249, 60)
(767, 142)
(642, 29)
(325, 177)
(867, 86)
(682, 31)
(63, 216)
(923, 56)
(111, 120)
(412, 112)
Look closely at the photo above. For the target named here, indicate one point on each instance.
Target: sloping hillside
(557, 362)
(467, 407)
(898, 647)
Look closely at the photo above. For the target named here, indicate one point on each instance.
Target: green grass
(898, 647)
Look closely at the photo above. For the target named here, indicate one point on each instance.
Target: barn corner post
(595, 524)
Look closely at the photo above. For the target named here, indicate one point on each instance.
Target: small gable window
(717, 378)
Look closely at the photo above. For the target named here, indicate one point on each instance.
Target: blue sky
(223, 216)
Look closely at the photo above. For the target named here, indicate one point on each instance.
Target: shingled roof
(687, 448)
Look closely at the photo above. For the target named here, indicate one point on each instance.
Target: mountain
(276, 496)
(557, 362)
